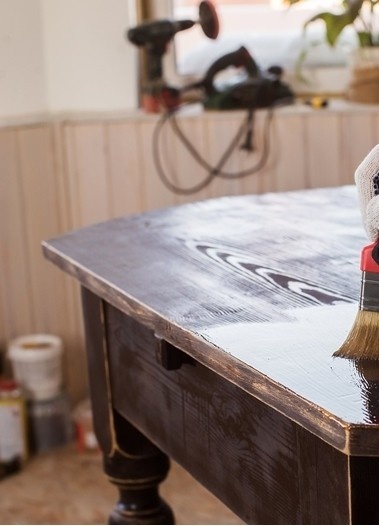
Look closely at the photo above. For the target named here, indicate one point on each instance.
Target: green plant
(357, 13)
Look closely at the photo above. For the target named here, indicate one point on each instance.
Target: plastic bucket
(36, 361)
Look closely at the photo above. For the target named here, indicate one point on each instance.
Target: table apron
(262, 465)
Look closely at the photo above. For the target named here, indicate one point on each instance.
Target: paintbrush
(362, 342)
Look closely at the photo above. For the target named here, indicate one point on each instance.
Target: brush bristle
(362, 342)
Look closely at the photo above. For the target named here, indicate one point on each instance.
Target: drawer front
(263, 466)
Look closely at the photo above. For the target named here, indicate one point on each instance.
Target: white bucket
(37, 365)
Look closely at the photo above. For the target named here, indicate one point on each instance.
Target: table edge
(349, 438)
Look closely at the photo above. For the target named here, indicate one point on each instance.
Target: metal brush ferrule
(369, 299)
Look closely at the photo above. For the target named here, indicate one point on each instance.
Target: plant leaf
(334, 24)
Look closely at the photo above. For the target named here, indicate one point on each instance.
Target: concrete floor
(68, 487)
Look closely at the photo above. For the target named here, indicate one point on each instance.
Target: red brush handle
(368, 263)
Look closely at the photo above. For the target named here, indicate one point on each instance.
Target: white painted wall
(89, 64)
(22, 70)
(66, 56)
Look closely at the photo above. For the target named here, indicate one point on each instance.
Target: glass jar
(13, 435)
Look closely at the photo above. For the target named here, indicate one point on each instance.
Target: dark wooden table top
(261, 289)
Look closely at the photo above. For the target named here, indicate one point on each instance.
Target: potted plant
(362, 16)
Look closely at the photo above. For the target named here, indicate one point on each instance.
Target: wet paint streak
(299, 291)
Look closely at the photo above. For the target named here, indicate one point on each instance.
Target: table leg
(131, 461)
(137, 470)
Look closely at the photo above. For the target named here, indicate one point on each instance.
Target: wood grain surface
(260, 289)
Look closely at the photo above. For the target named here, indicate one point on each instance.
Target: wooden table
(210, 331)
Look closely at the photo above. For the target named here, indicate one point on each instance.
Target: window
(272, 32)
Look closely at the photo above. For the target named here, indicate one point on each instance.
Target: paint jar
(13, 435)
(50, 423)
(36, 361)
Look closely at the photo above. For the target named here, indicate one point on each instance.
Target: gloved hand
(367, 181)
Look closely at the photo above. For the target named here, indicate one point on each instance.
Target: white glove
(367, 181)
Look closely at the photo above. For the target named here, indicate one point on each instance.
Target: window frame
(319, 78)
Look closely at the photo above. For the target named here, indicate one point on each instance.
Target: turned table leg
(131, 461)
(137, 470)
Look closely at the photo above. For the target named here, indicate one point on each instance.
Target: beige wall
(90, 66)
(22, 67)
(63, 56)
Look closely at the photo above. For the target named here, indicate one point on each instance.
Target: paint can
(36, 361)
(13, 434)
(50, 423)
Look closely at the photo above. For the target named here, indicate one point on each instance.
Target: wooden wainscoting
(65, 173)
